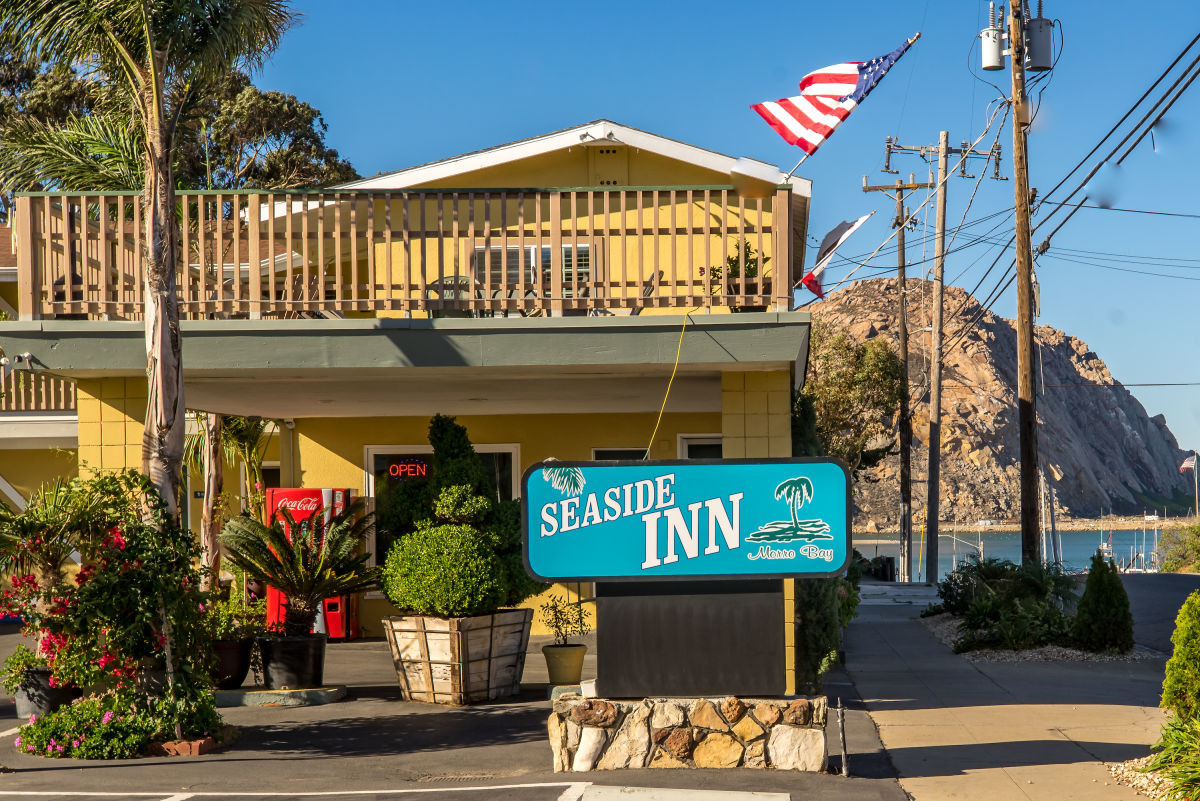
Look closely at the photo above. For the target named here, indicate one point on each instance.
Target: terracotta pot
(233, 663)
(294, 662)
(35, 696)
(564, 663)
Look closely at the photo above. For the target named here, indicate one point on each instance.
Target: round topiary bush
(1103, 621)
(1181, 686)
(445, 570)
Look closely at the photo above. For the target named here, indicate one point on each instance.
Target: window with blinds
(486, 264)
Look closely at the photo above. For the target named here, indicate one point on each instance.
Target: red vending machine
(338, 616)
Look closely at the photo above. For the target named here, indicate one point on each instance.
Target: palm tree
(163, 53)
(797, 491)
(317, 561)
(216, 440)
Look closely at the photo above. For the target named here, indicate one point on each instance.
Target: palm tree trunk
(210, 524)
(162, 441)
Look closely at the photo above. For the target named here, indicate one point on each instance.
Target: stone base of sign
(597, 734)
(558, 690)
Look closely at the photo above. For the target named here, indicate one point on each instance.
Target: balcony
(416, 253)
(24, 391)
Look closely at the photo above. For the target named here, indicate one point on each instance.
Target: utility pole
(901, 222)
(1026, 410)
(933, 489)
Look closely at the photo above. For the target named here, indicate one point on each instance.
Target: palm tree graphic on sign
(567, 480)
(796, 492)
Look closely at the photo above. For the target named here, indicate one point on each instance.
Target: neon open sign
(408, 468)
(686, 519)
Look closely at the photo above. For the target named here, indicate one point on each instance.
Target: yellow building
(546, 292)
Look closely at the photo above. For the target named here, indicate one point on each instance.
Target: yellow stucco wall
(112, 414)
(28, 470)
(331, 454)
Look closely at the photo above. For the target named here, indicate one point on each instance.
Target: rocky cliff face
(1095, 439)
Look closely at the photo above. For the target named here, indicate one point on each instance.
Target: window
(700, 446)
(618, 454)
(485, 266)
(388, 465)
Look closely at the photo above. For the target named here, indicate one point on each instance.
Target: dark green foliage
(1004, 605)
(818, 630)
(1180, 549)
(1181, 686)
(446, 570)
(1177, 757)
(307, 561)
(456, 498)
(1103, 621)
(805, 439)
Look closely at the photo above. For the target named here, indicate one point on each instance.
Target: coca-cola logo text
(294, 505)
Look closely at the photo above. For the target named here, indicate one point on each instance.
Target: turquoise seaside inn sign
(607, 521)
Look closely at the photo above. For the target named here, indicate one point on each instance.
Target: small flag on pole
(1188, 463)
(829, 245)
(827, 96)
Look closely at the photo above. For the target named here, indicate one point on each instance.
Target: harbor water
(1077, 548)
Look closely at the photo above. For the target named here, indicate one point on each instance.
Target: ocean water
(1077, 547)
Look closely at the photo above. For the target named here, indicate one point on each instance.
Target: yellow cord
(678, 350)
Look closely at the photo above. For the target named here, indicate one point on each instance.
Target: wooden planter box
(459, 660)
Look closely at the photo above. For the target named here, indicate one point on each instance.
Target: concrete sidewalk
(957, 729)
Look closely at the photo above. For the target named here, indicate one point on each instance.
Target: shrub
(115, 725)
(1181, 685)
(1103, 621)
(1004, 605)
(1180, 549)
(818, 630)
(445, 570)
(17, 664)
(453, 510)
(1177, 757)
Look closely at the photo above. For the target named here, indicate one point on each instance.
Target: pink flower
(29, 748)
(60, 749)
(17, 742)
(258, 485)
(107, 717)
(33, 719)
(74, 743)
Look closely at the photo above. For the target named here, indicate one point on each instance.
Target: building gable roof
(595, 131)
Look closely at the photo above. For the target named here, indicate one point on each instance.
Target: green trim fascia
(83, 348)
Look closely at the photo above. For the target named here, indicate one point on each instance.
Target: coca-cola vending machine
(338, 616)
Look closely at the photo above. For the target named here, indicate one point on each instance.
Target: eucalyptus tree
(164, 52)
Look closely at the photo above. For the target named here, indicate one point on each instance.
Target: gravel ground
(1130, 774)
(945, 628)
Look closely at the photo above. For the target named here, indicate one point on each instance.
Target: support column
(111, 422)
(756, 422)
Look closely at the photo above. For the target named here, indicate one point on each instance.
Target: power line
(1124, 269)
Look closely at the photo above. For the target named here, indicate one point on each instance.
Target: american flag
(827, 96)
(1188, 463)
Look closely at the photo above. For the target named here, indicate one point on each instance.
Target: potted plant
(564, 660)
(319, 559)
(28, 678)
(727, 279)
(232, 625)
(455, 571)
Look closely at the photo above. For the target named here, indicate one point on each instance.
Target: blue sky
(401, 84)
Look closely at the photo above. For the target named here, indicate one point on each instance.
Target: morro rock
(1095, 441)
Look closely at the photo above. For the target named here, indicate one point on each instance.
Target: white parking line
(574, 792)
(326, 794)
(8, 732)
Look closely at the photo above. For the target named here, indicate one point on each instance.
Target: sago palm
(318, 561)
(163, 52)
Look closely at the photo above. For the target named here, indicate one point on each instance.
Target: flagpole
(792, 171)
(1196, 483)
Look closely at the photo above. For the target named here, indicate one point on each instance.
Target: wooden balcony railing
(467, 252)
(36, 392)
